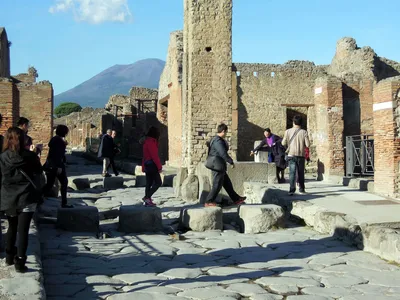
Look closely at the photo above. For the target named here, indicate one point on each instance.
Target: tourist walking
(19, 197)
(107, 151)
(151, 165)
(55, 164)
(276, 153)
(217, 159)
(24, 124)
(296, 140)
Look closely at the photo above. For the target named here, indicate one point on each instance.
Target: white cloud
(95, 11)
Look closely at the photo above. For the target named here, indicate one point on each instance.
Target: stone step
(139, 219)
(201, 218)
(78, 219)
(260, 218)
(113, 183)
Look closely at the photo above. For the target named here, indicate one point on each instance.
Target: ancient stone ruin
(201, 87)
(22, 96)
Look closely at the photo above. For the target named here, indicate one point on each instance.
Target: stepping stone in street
(78, 219)
(79, 184)
(139, 219)
(113, 183)
(260, 218)
(201, 219)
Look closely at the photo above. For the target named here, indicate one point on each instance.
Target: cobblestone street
(290, 263)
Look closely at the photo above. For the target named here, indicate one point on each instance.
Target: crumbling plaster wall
(266, 91)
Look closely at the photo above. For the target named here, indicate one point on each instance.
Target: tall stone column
(386, 112)
(329, 134)
(207, 88)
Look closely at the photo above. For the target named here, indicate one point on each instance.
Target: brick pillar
(9, 104)
(329, 133)
(386, 112)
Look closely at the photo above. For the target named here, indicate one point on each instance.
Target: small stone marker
(113, 183)
(79, 184)
(78, 219)
(260, 218)
(139, 219)
(202, 218)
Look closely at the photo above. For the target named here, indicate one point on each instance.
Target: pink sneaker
(148, 202)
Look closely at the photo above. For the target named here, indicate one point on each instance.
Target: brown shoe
(210, 204)
(240, 201)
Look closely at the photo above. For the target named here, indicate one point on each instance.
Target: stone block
(179, 179)
(190, 188)
(79, 184)
(382, 241)
(230, 215)
(140, 181)
(139, 219)
(138, 170)
(261, 156)
(167, 180)
(201, 219)
(371, 187)
(78, 219)
(204, 188)
(113, 183)
(260, 218)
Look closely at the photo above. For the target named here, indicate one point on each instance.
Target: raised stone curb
(201, 219)
(113, 183)
(139, 219)
(78, 219)
(260, 218)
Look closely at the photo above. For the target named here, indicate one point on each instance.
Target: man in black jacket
(107, 151)
(218, 148)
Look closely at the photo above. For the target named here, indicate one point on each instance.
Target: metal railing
(360, 155)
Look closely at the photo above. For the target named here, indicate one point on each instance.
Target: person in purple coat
(266, 145)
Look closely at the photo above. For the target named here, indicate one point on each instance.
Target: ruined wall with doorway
(269, 95)
(36, 104)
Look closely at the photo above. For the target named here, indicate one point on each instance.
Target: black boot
(19, 264)
(10, 254)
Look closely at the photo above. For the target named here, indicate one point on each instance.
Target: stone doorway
(294, 111)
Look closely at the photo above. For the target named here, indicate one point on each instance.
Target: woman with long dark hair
(19, 197)
(151, 165)
(55, 164)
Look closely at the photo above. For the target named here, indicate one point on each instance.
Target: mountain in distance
(118, 79)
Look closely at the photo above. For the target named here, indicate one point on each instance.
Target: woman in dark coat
(18, 196)
(55, 164)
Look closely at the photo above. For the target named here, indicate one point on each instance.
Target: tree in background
(64, 109)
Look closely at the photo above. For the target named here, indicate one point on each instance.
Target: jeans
(296, 167)
(62, 177)
(19, 224)
(221, 179)
(153, 183)
(107, 162)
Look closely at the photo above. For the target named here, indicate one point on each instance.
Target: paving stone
(78, 219)
(20, 287)
(113, 183)
(67, 290)
(202, 219)
(335, 293)
(246, 289)
(208, 293)
(145, 288)
(299, 282)
(308, 297)
(237, 272)
(266, 297)
(144, 296)
(182, 273)
(342, 281)
(260, 218)
(97, 291)
(138, 219)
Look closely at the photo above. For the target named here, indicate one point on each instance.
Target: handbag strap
(292, 138)
(27, 177)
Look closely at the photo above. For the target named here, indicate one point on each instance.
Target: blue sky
(69, 41)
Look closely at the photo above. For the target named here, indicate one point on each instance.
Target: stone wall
(270, 95)
(120, 101)
(170, 95)
(36, 104)
(4, 54)
(386, 137)
(9, 104)
(208, 88)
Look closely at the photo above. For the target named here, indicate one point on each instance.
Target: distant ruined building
(22, 96)
(201, 87)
